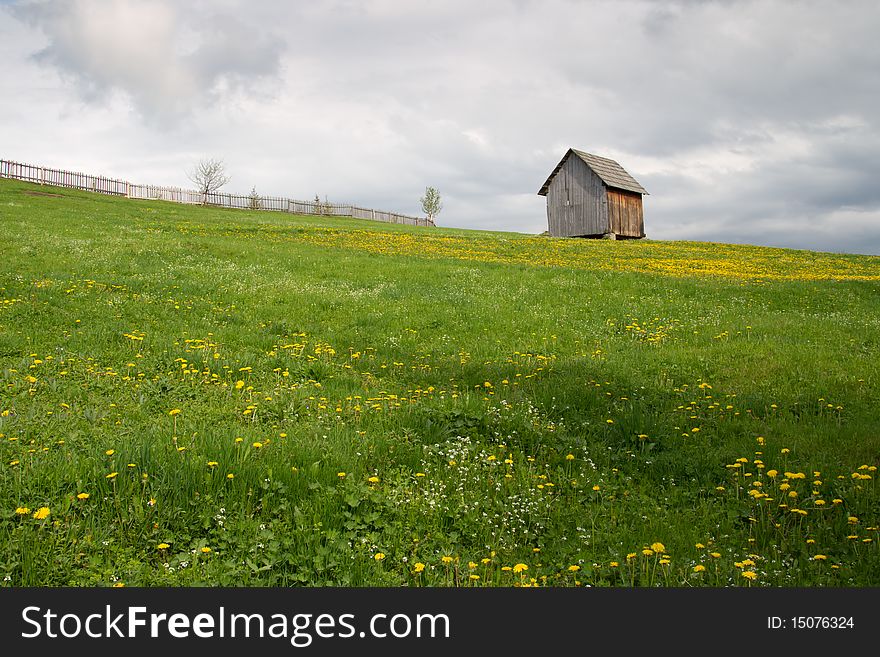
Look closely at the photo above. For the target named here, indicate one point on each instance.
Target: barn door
(625, 213)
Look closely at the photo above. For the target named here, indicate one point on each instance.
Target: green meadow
(194, 396)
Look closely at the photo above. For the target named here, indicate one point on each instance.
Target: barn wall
(625, 213)
(576, 202)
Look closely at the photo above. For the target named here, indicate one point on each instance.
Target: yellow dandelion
(42, 513)
(174, 411)
(520, 567)
(418, 567)
(82, 496)
(699, 568)
(163, 546)
(574, 568)
(379, 556)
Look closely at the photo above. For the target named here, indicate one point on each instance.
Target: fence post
(83, 181)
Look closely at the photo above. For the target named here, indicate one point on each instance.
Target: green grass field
(192, 396)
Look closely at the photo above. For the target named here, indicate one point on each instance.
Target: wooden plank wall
(576, 204)
(103, 185)
(625, 213)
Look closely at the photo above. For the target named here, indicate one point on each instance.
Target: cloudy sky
(755, 122)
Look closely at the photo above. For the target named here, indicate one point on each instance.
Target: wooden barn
(592, 196)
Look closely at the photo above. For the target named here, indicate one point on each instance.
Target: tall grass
(316, 401)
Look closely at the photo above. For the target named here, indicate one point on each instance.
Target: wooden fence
(103, 185)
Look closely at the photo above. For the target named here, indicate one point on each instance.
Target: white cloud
(165, 59)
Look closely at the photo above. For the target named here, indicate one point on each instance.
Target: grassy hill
(198, 396)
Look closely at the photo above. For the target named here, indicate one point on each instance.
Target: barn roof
(609, 172)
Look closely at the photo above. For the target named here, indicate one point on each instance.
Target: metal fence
(104, 185)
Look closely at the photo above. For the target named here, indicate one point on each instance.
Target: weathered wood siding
(625, 213)
(576, 204)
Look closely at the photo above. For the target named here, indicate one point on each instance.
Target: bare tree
(324, 207)
(254, 201)
(431, 204)
(208, 176)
